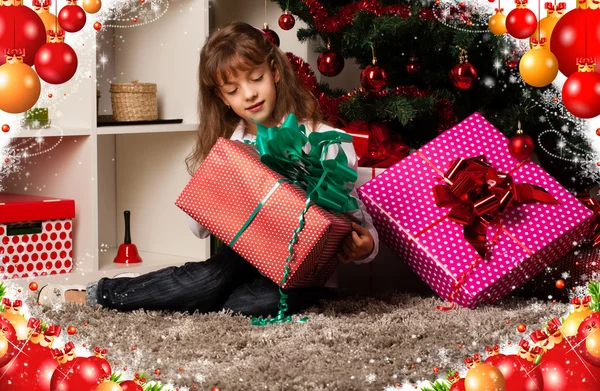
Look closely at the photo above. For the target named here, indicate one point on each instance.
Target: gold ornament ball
(3, 346)
(571, 324)
(497, 24)
(109, 386)
(18, 322)
(92, 6)
(50, 23)
(544, 29)
(19, 88)
(538, 67)
(592, 343)
(485, 377)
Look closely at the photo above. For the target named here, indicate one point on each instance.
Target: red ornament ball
(215, 389)
(22, 25)
(286, 21)
(30, 369)
(157, 371)
(458, 386)
(72, 18)
(560, 284)
(519, 374)
(413, 67)
(597, 131)
(588, 336)
(5, 128)
(56, 63)
(8, 341)
(521, 328)
(463, 75)
(130, 385)
(271, 36)
(581, 94)
(71, 330)
(85, 375)
(33, 286)
(97, 26)
(135, 20)
(520, 146)
(373, 78)
(521, 23)
(330, 63)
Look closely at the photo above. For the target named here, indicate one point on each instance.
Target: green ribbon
(328, 182)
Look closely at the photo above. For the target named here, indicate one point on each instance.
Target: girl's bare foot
(75, 296)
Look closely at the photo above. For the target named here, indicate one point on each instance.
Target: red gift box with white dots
(404, 212)
(35, 235)
(226, 189)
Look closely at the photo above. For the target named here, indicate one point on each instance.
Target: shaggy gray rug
(349, 342)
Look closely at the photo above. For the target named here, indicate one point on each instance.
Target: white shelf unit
(140, 168)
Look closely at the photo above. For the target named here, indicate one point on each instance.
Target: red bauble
(568, 40)
(458, 386)
(8, 339)
(581, 94)
(590, 328)
(373, 78)
(30, 369)
(286, 21)
(72, 17)
(103, 363)
(56, 63)
(413, 67)
(520, 146)
(330, 63)
(21, 27)
(521, 23)
(271, 36)
(130, 385)
(83, 375)
(492, 360)
(520, 374)
(463, 75)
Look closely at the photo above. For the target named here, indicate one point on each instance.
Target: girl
(244, 80)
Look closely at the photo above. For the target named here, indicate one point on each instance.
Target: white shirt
(360, 214)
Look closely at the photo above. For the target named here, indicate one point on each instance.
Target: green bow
(329, 181)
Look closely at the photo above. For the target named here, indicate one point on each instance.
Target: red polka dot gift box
(36, 235)
(472, 221)
(225, 192)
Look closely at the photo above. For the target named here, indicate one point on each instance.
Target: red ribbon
(34, 324)
(521, 2)
(52, 331)
(69, 347)
(15, 305)
(480, 195)
(594, 205)
(539, 336)
(561, 6)
(586, 61)
(541, 42)
(554, 325)
(549, 6)
(499, 9)
(382, 150)
(11, 53)
(59, 33)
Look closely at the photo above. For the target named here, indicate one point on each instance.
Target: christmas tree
(441, 64)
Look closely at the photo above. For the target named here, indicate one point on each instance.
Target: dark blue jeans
(225, 281)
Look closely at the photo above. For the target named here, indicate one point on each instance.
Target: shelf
(160, 128)
(51, 132)
(151, 261)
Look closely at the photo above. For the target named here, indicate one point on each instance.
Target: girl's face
(251, 94)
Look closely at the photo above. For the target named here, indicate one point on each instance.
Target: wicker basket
(134, 101)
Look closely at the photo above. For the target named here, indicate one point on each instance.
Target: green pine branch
(2, 294)
(439, 385)
(594, 289)
(154, 386)
(116, 377)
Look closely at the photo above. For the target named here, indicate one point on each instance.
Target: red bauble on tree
(286, 20)
(581, 91)
(271, 35)
(464, 73)
(72, 17)
(56, 61)
(20, 26)
(330, 63)
(570, 40)
(521, 21)
(520, 146)
(373, 78)
(413, 67)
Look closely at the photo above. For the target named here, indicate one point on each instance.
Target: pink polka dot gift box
(36, 236)
(474, 229)
(225, 192)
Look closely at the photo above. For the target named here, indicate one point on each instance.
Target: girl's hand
(358, 244)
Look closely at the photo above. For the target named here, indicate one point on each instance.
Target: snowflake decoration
(370, 378)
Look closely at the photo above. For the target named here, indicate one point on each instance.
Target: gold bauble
(3, 346)
(19, 90)
(485, 377)
(92, 6)
(17, 320)
(544, 29)
(592, 343)
(50, 22)
(108, 386)
(538, 67)
(571, 324)
(497, 24)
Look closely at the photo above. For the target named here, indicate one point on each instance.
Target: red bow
(594, 205)
(479, 195)
(539, 336)
(15, 305)
(524, 345)
(52, 331)
(11, 53)
(536, 351)
(59, 33)
(549, 6)
(553, 325)
(68, 347)
(561, 6)
(139, 379)
(521, 2)
(100, 353)
(454, 377)
(35, 325)
(586, 61)
(541, 42)
(499, 9)
(382, 151)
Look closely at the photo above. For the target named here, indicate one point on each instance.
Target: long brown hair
(241, 47)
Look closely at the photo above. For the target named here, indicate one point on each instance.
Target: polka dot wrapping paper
(226, 189)
(404, 212)
(36, 235)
